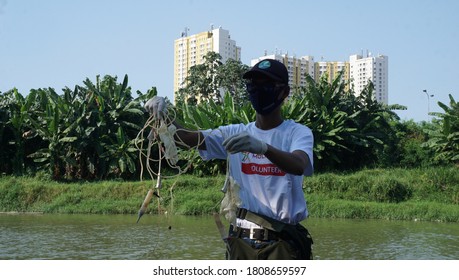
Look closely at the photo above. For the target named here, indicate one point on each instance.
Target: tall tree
(230, 79)
(212, 79)
(201, 84)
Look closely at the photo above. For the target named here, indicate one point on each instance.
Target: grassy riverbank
(419, 194)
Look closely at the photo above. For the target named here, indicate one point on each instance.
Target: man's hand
(157, 107)
(244, 142)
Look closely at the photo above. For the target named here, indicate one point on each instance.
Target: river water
(107, 237)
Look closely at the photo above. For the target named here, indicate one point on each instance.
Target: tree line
(89, 132)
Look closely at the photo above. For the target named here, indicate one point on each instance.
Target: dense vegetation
(85, 133)
(89, 132)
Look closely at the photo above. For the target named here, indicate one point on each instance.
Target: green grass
(430, 194)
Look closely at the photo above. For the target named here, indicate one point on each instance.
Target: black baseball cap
(269, 67)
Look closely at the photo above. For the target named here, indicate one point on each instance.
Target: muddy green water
(104, 237)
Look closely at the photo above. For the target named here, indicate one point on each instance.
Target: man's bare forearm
(293, 163)
(188, 138)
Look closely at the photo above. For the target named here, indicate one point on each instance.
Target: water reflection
(184, 237)
(107, 237)
(384, 240)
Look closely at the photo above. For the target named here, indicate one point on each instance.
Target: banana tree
(121, 155)
(374, 135)
(51, 121)
(15, 129)
(112, 108)
(320, 106)
(444, 140)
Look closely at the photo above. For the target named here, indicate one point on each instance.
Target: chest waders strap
(220, 226)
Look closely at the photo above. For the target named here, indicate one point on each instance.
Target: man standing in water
(268, 159)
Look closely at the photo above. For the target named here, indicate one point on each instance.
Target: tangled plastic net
(162, 133)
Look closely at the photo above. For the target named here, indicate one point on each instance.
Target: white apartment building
(370, 68)
(297, 67)
(190, 51)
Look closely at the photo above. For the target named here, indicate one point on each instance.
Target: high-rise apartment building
(370, 68)
(190, 51)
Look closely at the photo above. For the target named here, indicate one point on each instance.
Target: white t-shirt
(264, 188)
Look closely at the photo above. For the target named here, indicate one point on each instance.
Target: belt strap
(261, 234)
(258, 234)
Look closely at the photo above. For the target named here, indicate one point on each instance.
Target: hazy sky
(59, 43)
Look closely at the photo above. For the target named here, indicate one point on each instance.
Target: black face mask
(265, 97)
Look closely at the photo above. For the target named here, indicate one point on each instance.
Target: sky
(60, 43)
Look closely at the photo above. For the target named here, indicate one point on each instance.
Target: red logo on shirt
(262, 169)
